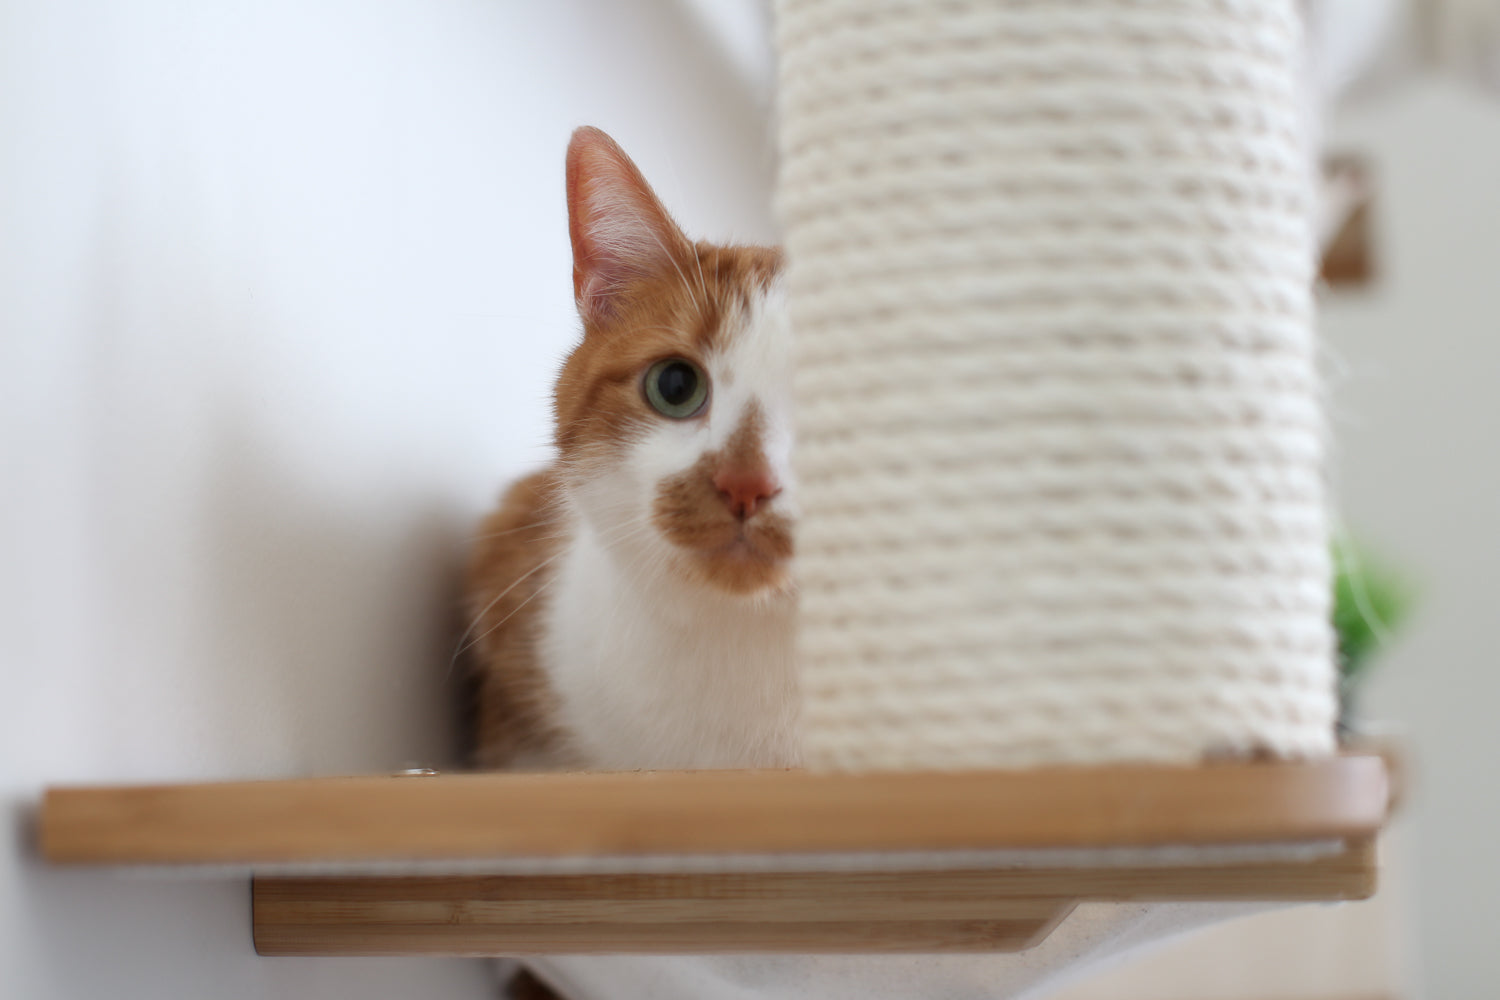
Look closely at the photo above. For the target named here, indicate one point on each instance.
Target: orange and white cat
(632, 606)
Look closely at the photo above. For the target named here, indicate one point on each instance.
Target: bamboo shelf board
(975, 910)
(473, 817)
(942, 859)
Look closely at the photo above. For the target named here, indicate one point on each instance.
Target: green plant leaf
(1370, 600)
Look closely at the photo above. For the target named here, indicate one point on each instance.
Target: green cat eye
(676, 388)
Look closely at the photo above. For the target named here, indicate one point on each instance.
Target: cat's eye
(676, 388)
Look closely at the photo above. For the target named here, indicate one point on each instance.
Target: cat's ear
(620, 231)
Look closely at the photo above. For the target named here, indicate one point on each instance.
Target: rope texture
(1060, 430)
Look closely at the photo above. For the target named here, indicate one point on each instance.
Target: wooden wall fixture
(678, 862)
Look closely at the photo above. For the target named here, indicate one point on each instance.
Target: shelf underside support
(1007, 909)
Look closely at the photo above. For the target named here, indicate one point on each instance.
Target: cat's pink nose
(744, 490)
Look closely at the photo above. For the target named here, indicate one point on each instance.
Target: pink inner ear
(620, 231)
(596, 293)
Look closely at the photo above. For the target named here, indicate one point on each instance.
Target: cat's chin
(742, 568)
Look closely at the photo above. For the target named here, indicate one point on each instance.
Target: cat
(632, 605)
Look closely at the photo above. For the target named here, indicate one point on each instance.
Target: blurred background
(282, 290)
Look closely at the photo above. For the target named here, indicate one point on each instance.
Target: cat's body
(632, 606)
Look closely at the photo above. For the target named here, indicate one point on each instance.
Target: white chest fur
(653, 672)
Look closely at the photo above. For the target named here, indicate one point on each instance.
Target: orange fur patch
(598, 402)
(514, 706)
(740, 556)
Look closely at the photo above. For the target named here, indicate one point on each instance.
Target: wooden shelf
(965, 909)
(736, 860)
(465, 817)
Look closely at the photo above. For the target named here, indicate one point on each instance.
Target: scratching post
(1060, 439)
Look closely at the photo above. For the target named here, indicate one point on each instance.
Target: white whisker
(496, 600)
(508, 531)
(680, 273)
(698, 259)
(514, 612)
(626, 532)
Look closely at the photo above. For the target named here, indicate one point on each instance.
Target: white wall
(282, 287)
(1418, 418)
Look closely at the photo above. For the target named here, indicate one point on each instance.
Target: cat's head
(673, 414)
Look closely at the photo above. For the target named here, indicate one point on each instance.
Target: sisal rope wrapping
(1060, 434)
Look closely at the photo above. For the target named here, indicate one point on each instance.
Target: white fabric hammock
(1095, 933)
